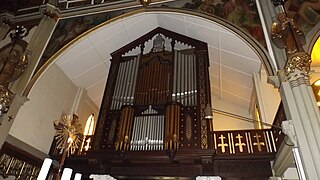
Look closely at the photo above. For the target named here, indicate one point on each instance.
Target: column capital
(298, 60)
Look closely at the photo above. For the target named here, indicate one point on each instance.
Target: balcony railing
(232, 143)
(251, 142)
(245, 142)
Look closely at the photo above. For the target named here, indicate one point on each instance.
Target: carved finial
(158, 44)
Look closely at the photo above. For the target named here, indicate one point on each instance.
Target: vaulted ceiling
(232, 59)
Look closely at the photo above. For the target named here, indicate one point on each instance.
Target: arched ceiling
(232, 60)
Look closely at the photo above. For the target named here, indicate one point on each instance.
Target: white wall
(268, 98)
(53, 95)
(222, 122)
(85, 108)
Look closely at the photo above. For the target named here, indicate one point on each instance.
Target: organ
(152, 124)
(155, 97)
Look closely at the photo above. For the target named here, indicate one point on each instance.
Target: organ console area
(155, 96)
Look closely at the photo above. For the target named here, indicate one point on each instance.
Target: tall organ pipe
(125, 84)
(173, 112)
(125, 128)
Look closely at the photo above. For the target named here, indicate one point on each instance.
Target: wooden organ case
(153, 106)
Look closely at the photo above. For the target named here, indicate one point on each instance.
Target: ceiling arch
(233, 55)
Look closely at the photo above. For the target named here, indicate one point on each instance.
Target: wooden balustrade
(245, 142)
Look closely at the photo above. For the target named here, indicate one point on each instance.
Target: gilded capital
(300, 61)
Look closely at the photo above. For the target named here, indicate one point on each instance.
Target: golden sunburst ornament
(68, 133)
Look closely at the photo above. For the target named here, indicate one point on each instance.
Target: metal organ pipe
(116, 93)
(128, 83)
(125, 84)
(174, 88)
(194, 88)
(188, 90)
(184, 78)
(147, 131)
(179, 77)
(136, 66)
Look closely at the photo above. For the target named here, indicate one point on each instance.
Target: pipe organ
(152, 118)
(155, 101)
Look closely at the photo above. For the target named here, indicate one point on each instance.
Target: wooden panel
(154, 77)
(19, 163)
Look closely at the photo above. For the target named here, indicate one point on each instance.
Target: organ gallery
(152, 118)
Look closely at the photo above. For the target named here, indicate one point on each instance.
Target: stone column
(298, 98)
(34, 51)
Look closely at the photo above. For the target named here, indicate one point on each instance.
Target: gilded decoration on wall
(300, 61)
(13, 63)
(202, 95)
(286, 34)
(188, 128)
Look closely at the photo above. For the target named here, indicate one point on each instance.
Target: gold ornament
(68, 133)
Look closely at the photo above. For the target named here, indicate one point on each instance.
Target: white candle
(66, 174)
(44, 169)
(77, 176)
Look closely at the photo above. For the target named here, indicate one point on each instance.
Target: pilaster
(33, 52)
(303, 124)
(301, 108)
